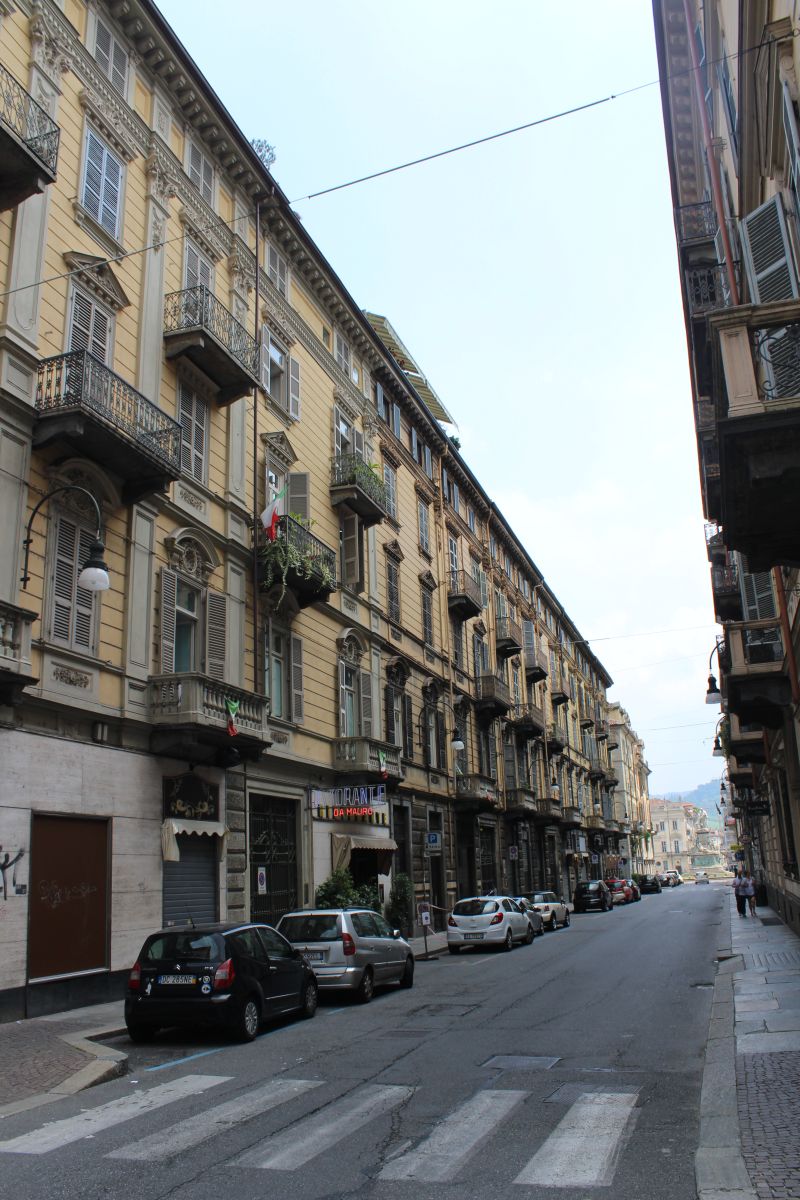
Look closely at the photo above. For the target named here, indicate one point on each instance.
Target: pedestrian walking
(749, 885)
(739, 890)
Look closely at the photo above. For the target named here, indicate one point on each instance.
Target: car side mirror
(396, 933)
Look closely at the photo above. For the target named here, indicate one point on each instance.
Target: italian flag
(269, 517)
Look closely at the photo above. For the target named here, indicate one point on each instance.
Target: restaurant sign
(345, 803)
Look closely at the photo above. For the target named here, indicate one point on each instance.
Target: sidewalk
(750, 1105)
(46, 1058)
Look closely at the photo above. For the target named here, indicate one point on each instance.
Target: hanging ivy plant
(282, 556)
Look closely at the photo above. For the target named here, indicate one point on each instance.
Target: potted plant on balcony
(280, 556)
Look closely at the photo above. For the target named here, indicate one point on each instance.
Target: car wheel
(508, 944)
(529, 936)
(566, 919)
(366, 989)
(454, 949)
(309, 1000)
(407, 978)
(552, 923)
(248, 1019)
(141, 1033)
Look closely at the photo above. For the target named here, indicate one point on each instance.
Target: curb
(720, 1171)
(107, 1064)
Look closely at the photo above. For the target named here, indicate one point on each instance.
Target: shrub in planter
(398, 910)
(338, 890)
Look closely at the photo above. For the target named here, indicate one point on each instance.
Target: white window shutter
(297, 494)
(103, 47)
(216, 633)
(265, 360)
(343, 730)
(758, 595)
(101, 330)
(80, 333)
(297, 679)
(192, 268)
(337, 430)
(767, 253)
(112, 184)
(169, 594)
(119, 68)
(207, 185)
(294, 389)
(84, 600)
(358, 442)
(366, 703)
(63, 580)
(93, 175)
(195, 165)
(351, 551)
(792, 142)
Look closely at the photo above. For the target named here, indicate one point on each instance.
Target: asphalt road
(572, 1064)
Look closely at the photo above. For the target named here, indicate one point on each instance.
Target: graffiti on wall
(9, 861)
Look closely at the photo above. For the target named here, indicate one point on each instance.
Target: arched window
(355, 689)
(193, 617)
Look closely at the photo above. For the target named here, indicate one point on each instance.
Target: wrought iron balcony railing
(697, 222)
(78, 380)
(350, 470)
(464, 592)
(707, 288)
(776, 354)
(29, 121)
(198, 308)
(299, 559)
(725, 579)
(536, 664)
(491, 688)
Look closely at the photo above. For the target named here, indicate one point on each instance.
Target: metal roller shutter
(190, 886)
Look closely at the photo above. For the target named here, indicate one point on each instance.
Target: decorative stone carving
(270, 317)
(158, 231)
(113, 120)
(279, 447)
(206, 229)
(71, 677)
(242, 267)
(97, 277)
(52, 51)
(161, 183)
(190, 557)
(394, 550)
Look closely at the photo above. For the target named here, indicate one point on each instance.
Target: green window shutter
(351, 552)
(758, 595)
(92, 193)
(216, 633)
(390, 732)
(366, 703)
(294, 389)
(297, 494)
(169, 593)
(408, 727)
(298, 707)
(767, 253)
(83, 631)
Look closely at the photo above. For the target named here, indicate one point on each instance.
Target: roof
(409, 367)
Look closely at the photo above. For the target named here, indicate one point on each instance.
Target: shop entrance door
(273, 857)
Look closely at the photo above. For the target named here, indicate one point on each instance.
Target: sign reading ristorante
(346, 802)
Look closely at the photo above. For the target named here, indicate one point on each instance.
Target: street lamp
(718, 752)
(713, 694)
(94, 575)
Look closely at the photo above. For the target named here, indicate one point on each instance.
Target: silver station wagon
(351, 948)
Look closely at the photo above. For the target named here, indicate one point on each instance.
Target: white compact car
(554, 911)
(487, 921)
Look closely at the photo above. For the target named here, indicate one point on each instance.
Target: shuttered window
(197, 271)
(393, 590)
(342, 353)
(73, 610)
(296, 679)
(89, 327)
(408, 727)
(216, 633)
(393, 715)
(352, 553)
(190, 616)
(767, 253)
(424, 526)
(201, 173)
(758, 595)
(297, 495)
(793, 146)
(390, 481)
(380, 400)
(194, 433)
(101, 193)
(427, 616)
(276, 269)
(111, 57)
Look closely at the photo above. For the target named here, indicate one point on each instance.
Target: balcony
(602, 730)
(559, 689)
(84, 405)
(463, 595)
(198, 327)
(527, 719)
(740, 774)
(521, 802)
(536, 665)
(613, 741)
(548, 809)
(715, 545)
(28, 144)
(492, 697)
(189, 715)
(372, 761)
(586, 721)
(610, 777)
(556, 738)
(725, 586)
(570, 815)
(707, 289)
(596, 767)
(15, 652)
(756, 683)
(297, 562)
(477, 790)
(358, 485)
(611, 825)
(594, 821)
(758, 378)
(745, 742)
(696, 223)
(508, 637)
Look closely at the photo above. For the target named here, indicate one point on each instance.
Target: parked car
(701, 877)
(666, 880)
(230, 975)
(487, 921)
(534, 916)
(590, 894)
(650, 884)
(676, 877)
(554, 911)
(635, 891)
(351, 948)
(620, 892)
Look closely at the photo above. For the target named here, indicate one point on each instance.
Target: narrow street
(573, 1063)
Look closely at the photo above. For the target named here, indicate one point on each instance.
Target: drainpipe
(713, 165)
(256, 614)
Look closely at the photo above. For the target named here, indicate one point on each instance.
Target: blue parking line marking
(176, 1062)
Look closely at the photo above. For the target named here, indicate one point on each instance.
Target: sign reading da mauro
(347, 802)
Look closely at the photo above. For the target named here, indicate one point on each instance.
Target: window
(676, 846)
(89, 327)
(342, 353)
(434, 738)
(399, 719)
(390, 480)
(275, 944)
(661, 826)
(449, 490)
(427, 616)
(111, 57)
(197, 270)
(355, 692)
(493, 545)
(193, 622)
(346, 438)
(277, 271)
(187, 611)
(73, 615)
(674, 824)
(283, 673)
(423, 517)
(351, 552)
(397, 426)
(280, 375)
(452, 558)
(326, 337)
(393, 590)
(663, 847)
(427, 461)
(194, 433)
(728, 96)
(471, 517)
(457, 640)
(380, 401)
(201, 173)
(101, 193)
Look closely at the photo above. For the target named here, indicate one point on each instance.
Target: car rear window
(588, 887)
(198, 947)
(310, 927)
(474, 908)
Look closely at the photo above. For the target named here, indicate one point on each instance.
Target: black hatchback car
(228, 975)
(650, 884)
(592, 893)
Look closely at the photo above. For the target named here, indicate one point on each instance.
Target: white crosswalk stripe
(92, 1121)
(166, 1143)
(306, 1139)
(583, 1149)
(453, 1140)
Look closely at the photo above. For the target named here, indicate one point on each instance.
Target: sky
(533, 278)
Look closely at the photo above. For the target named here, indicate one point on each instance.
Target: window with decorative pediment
(398, 707)
(355, 688)
(193, 617)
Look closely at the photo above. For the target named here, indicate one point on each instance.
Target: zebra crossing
(583, 1150)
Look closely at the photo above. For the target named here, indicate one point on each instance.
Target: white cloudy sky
(533, 278)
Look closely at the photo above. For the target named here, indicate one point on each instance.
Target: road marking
(583, 1149)
(94, 1120)
(182, 1136)
(177, 1062)
(304, 1140)
(445, 1151)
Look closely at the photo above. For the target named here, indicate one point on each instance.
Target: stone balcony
(570, 815)
(536, 664)
(521, 801)
(527, 719)
(479, 791)
(16, 672)
(189, 716)
(508, 637)
(755, 680)
(492, 696)
(559, 688)
(198, 327)
(594, 821)
(29, 140)
(368, 758)
(463, 595)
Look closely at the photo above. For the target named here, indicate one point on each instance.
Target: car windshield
(195, 947)
(589, 887)
(310, 927)
(474, 908)
(542, 898)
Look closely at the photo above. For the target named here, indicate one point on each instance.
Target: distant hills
(705, 795)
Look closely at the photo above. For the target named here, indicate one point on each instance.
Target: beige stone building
(236, 715)
(631, 797)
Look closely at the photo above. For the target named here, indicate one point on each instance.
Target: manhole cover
(520, 1062)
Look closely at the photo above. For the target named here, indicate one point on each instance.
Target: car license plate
(314, 955)
(177, 979)
(473, 937)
